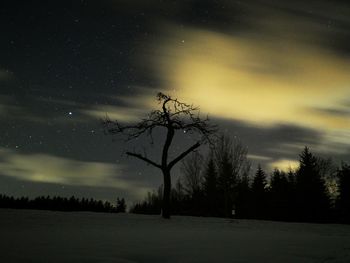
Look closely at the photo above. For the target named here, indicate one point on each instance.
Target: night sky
(273, 73)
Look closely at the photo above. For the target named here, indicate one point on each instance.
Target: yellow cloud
(133, 110)
(123, 114)
(52, 169)
(284, 165)
(256, 80)
(279, 78)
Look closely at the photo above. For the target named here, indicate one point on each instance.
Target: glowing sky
(273, 73)
(261, 81)
(282, 72)
(258, 81)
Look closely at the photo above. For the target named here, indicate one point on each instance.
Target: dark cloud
(335, 111)
(272, 141)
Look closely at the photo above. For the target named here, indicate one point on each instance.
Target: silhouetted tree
(173, 116)
(121, 205)
(177, 198)
(312, 199)
(281, 196)
(298, 195)
(243, 200)
(58, 203)
(210, 186)
(343, 200)
(179, 190)
(227, 179)
(328, 173)
(259, 205)
(151, 205)
(231, 160)
(192, 178)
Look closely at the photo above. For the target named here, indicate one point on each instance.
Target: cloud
(258, 157)
(284, 164)
(8, 107)
(130, 108)
(280, 73)
(255, 80)
(44, 109)
(123, 114)
(268, 66)
(45, 168)
(335, 111)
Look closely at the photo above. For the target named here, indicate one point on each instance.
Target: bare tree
(232, 165)
(173, 116)
(191, 168)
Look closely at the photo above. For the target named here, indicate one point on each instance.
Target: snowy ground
(44, 236)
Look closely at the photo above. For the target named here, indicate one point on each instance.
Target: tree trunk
(166, 194)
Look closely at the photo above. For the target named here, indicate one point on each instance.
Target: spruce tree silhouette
(210, 186)
(58, 203)
(173, 116)
(281, 196)
(243, 200)
(312, 199)
(121, 206)
(227, 179)
(343, 201)
(259, 193)
(290, 196)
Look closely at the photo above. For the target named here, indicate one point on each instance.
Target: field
(45, 236)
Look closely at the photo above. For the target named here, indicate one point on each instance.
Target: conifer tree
(343, 202)
(259, 193)
(121, 205)
(227, 179)
(312, 199)
(280, 198)
(259, 182)
(243, 201)
(210, 186)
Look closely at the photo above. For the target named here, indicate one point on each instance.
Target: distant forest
(57, 203)
(220, 185)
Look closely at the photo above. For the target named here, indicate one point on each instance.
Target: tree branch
(139, 156)
(183, 155)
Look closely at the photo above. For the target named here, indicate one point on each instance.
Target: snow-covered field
(44, 236)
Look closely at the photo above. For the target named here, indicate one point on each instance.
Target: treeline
(57, 203)
(220, 185)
